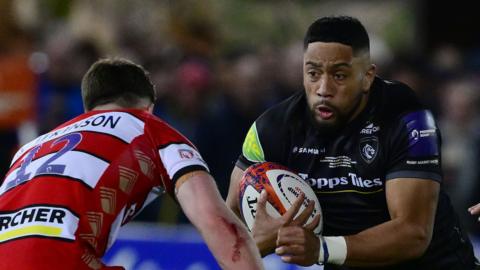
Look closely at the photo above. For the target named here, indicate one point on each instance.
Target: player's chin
(327, 126)
(329, 123)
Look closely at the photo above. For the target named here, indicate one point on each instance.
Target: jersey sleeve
(414, 148)
(252, 150)
(180, 158)
(177, 154)
(263, 142)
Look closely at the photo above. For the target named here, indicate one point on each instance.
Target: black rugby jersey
(393, 137)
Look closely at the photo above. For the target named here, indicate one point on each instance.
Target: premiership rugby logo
(369, 149)
(38, 221)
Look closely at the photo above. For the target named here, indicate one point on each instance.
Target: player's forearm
(387, 243)
(223, 232)
(230, 242)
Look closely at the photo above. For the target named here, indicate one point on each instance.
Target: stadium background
(216, 66)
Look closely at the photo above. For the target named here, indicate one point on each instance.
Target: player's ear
(150, 108)
(368, 77)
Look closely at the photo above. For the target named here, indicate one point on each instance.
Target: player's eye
(340, 76)
(312, 74)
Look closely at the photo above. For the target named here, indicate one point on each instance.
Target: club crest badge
(369, 149)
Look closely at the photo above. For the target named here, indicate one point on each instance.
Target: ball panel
(248, 206)
(283, 187)
(256, 176)
(289, 186)
(280, 178)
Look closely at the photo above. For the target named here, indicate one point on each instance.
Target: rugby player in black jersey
(370, 151)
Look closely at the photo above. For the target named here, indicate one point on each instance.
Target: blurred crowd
(216, 67)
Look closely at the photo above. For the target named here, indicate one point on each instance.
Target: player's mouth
(324, 112)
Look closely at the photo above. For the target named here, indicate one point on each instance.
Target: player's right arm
(252, 152)
(263, 232)
(265, 227)
(265, 237)
(224, 233)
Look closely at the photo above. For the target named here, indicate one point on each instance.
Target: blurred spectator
(192, 27)
(192, 81)
(161, 67)
(460, 126)
(242, 98)
(17, 84)
(290, 79)
(59, 86)
(182, 95)
(412, 69)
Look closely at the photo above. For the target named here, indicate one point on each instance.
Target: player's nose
(324, 87)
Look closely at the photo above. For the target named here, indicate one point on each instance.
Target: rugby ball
(283, 187)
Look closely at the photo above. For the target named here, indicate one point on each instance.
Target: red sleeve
(176, 153)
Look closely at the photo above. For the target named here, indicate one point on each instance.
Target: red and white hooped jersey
(68, 191)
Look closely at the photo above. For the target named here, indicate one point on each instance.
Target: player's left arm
(412, 189)
(412, 205)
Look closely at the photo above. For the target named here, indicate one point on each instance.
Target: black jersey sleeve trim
(243, 163)
(174, 142)
(186, 170)
(414, 174)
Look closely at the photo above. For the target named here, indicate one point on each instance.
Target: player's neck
(109, 106)
(114, 106)
(362, 103)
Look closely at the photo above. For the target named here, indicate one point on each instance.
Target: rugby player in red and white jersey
(68, 192)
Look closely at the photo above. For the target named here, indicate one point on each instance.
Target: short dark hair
(116, 80)
(342, 29)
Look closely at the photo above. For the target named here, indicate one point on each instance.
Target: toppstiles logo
(38, 221)
(350, 183)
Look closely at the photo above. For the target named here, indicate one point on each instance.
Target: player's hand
(299, 244)
(265, 227)
(474, 210)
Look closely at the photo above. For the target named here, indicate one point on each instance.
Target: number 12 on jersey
(48, 166)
